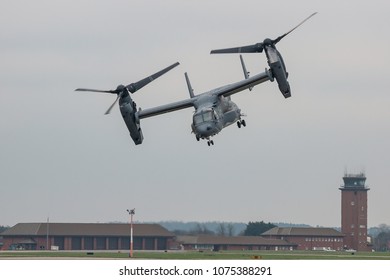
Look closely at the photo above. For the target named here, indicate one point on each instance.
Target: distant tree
(384, 228)
(257, 228)
(3, 228)
(180, 232)
(382, 240)
(230, 229)
(225, 229)
(222, 230)
(201, 229)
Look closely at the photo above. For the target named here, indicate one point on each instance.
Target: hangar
(85, 236)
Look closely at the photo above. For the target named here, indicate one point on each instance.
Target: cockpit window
(207, 116)
(198, 119)
(204, 116)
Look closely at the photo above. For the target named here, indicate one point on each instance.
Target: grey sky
(61, 157)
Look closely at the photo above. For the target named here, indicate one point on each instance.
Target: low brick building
(85, 236)
(308, 238)
(216, 243)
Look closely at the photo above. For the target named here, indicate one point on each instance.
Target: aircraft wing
(163, 109)
(225, 91)
(244, 84)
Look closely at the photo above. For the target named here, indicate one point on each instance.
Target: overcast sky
(61, 157)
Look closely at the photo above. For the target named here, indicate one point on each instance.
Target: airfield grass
(196, 255)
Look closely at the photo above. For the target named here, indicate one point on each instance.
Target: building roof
(86, 229)
(302, 231)
(231, 240)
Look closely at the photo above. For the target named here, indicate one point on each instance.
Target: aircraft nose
(205, 130)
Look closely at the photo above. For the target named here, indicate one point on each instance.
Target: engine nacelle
(278, 69)
(128, 110)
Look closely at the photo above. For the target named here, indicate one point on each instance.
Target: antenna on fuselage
(190, 89)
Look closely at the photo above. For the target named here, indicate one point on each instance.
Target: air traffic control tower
(354, 211)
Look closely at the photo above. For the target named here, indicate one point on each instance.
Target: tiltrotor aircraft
(214, 109)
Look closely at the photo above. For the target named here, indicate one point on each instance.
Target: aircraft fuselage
(213, 113)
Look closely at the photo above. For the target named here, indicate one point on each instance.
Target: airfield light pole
(131, 213)
(47, 234)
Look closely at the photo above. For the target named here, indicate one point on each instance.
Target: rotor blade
(112, 106)
(256, 48)
(285, 34)
(133, 87)
(96, 90)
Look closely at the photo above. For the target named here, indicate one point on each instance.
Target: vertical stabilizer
(246, 73)
(190, 89)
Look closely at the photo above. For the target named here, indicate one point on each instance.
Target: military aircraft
(214, 109)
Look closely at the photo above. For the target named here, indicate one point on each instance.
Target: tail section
(190, 89)
(246, 73)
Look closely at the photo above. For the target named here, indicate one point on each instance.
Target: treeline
(217, 228)
(381, 239)
(211, 228)
(3, 228)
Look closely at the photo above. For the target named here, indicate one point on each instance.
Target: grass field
(195, 255)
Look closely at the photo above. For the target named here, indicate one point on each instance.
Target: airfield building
(85, 236)
(217, 243)
(308, 238)
(354, 212)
